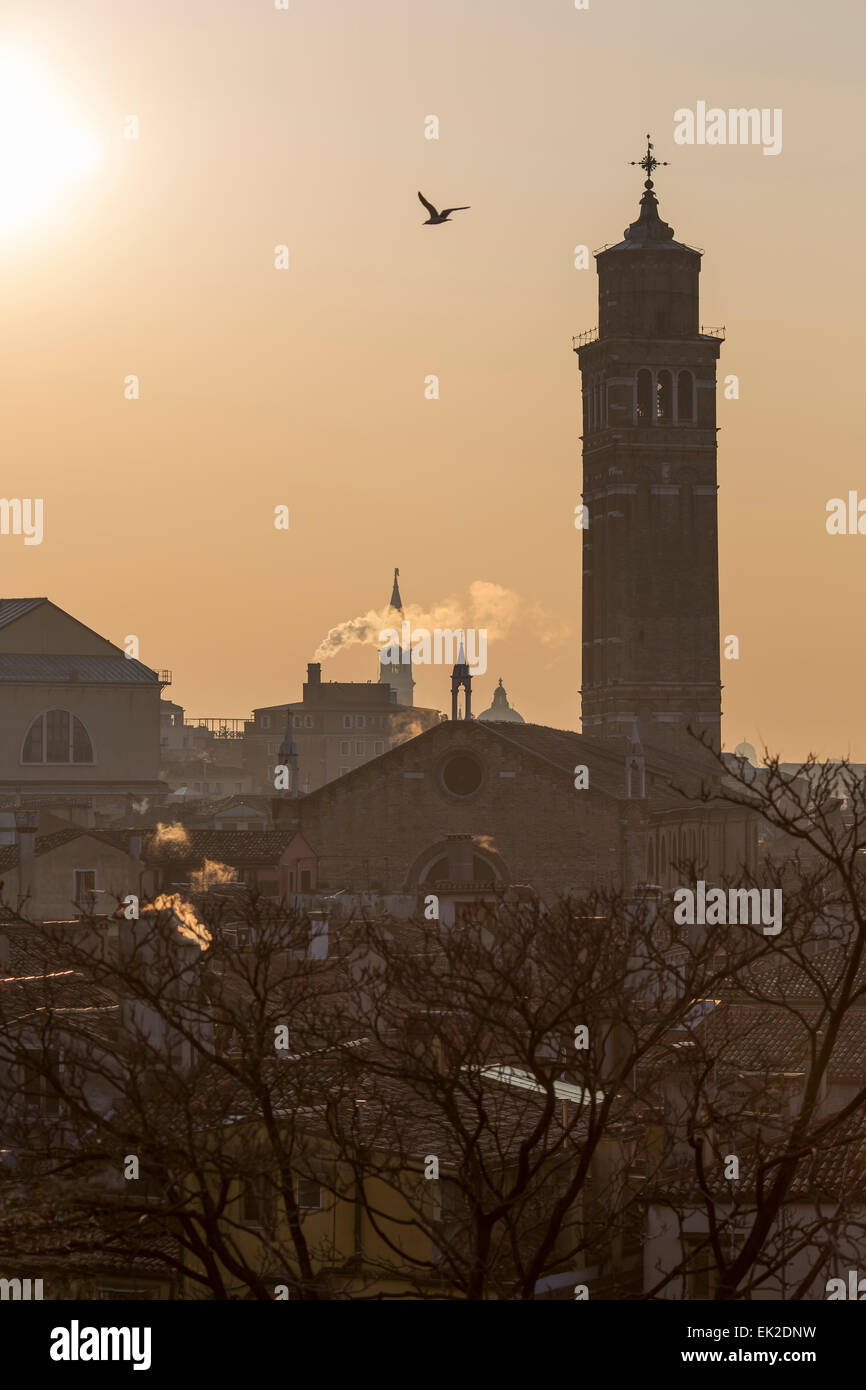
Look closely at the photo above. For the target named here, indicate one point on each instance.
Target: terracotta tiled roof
(236, 847)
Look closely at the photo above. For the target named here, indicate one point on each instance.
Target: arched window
(644, 395)
(665, 397)
(685, 397)
(57, 736)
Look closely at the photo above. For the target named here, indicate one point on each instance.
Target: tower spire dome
(649, 227)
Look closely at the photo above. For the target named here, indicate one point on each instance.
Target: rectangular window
(360, 721)
(266, 721)
(378, 746)
(84, 888)
(36, 1089)
(360, 747)
(345, 747)
(699, 1274)
(309, 1193)
(347, 721)
(257, 1202)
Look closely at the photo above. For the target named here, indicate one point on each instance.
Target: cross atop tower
(649, 162)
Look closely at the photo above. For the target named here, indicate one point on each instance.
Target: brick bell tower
(650, 529)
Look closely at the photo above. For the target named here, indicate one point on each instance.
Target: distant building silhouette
(80, 721)
(500, 710)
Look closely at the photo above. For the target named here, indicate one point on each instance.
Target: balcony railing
(713, 332)
(165, 678)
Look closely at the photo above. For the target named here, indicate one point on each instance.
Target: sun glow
(44, 148)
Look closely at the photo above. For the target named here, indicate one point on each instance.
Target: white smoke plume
(210, 873)
(188, 923)
(488, 606)
(173, 834)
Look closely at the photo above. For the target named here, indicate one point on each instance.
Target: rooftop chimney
(314, 673)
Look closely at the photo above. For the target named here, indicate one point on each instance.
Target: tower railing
(589, 336)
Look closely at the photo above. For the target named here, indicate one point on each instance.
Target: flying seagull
(436, 217)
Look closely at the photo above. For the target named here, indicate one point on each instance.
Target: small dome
(500, 710)
(745, 750)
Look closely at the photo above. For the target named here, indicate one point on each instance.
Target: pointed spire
(396, 601)
(461, 678)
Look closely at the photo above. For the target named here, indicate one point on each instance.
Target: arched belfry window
(685, 397)
(645, 396)
(665, 397)
(57, 736)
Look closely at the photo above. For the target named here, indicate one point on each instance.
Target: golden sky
(305, 387)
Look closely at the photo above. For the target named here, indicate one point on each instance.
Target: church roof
(12, 608)
(33, 667)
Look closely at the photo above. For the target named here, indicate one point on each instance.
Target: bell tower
(650, 655)
(397, 672)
